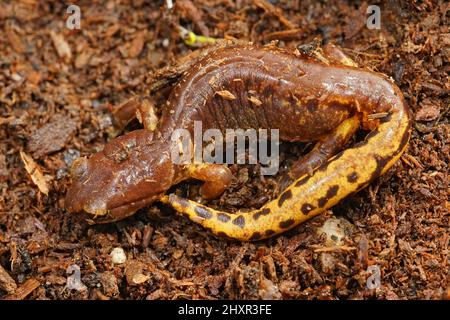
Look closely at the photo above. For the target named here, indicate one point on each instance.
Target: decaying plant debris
(58, 88)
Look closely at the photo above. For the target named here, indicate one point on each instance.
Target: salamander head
(131, 172)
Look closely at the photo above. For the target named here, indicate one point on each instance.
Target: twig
(335, 248)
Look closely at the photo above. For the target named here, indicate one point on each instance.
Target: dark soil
(58, 88)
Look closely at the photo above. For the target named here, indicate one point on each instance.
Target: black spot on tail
(331, 192)
(203, 212)
(223, 217)
(381, 164)
(239, 221)
(255, 236)
(284, 196)
(186, 215)
(287, 223)
(269, 232)
(222, 234)
(383, 161)
(352, 177)
(307, 208)
(262, 212)
(184, 203)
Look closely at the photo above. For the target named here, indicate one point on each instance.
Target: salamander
(322, 98)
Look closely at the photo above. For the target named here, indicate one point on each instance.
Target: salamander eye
(79, 167)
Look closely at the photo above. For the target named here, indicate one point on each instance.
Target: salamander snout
(129, 173)
(87, 192)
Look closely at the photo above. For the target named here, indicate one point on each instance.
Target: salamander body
(245, 86)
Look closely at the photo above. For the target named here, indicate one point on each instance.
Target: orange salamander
(322, 98)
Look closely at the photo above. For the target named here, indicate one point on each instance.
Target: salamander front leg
(141, 108)
(324, 149)
(217, 178)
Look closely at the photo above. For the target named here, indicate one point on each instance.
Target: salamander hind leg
(216, 178)
(324, 149)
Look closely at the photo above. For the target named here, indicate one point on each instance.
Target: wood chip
(35, 173)
(15, 40)
(137, 45)
(134, 273)
(6, 282)
(428, 112)
(52, 137)
(83, 59)
(277, 12)
(227, 95)
(61, 46)
(34, 77)
(109, 284)
(409, 157)
(268, 290)
(148, 233)
(291, 34)
(24, 290)
(112, 30)
(363, 251)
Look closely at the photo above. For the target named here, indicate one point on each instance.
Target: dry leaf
(34, 172)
